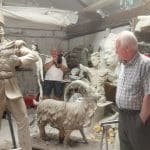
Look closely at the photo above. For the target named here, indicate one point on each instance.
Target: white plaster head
(95, 59)
(108, 54)
(35, 47)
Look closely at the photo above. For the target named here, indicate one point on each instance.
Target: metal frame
(104, 133)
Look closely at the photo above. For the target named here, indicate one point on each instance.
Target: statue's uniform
(10, 95)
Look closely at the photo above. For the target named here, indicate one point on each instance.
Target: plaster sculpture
(109, 60)
(67, 116)
(39, 70)
(8, 61)
(105, 66)
(143, 23)
(74, 74)
(97, 76)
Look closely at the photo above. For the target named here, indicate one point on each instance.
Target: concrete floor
(93, 143)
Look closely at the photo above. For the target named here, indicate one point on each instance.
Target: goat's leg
(83, 135)
(42, 131)
(61, 135)
(67, 137)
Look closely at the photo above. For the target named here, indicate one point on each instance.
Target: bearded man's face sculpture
(108, 55)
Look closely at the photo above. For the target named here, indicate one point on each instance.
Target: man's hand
(55, 59)
(143, 118)
(48, 65)
(145, 111)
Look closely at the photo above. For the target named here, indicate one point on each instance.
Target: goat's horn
(76, 84)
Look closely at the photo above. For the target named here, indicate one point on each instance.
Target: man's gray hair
(127, 38)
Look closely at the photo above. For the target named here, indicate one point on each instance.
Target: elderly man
(55, 67)
(14, 54)
(133, 94)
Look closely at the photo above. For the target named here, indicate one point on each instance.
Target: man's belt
(129, 111)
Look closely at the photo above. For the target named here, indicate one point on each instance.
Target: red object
(29, 100)
(147, 54)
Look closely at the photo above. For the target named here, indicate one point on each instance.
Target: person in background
(133, 94)
(12, 55)
(55, 67)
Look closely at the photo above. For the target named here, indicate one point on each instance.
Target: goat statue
(68, 116)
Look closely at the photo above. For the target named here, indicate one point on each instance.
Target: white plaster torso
(96, 75)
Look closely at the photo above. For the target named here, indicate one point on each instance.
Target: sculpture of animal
(67, 116)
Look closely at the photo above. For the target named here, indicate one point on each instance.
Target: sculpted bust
(109, 59)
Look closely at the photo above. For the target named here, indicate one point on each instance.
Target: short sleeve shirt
(54, 73)
(133, 83)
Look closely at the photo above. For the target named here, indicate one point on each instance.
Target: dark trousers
(133, 133)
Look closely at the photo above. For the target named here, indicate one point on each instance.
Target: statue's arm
(26, 56)
(84, 68)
